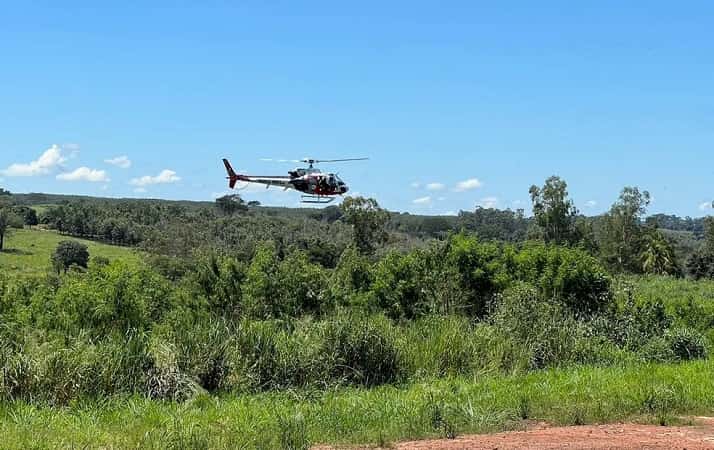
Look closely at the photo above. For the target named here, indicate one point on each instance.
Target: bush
(68, 254)
(548, 333)
(361, 350)
(686, 344)
(569, 275)
(399, 287)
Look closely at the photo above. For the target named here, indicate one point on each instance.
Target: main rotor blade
(336, 160)
(281, 160)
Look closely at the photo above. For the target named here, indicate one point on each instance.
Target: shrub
(258, 357)
(70, 253)
(569, 275)
(361, 350)
(399, 285)
(482, 271)
(196, 346)
(549, 334)
(686, 344)
(351, 281)
(106, 299)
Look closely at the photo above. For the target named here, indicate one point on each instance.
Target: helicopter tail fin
(232, 176)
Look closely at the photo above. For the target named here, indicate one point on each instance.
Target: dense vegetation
(239, 300)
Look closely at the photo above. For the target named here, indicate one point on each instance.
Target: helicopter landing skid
(317, 199)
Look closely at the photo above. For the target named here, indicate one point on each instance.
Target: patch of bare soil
(596, 437)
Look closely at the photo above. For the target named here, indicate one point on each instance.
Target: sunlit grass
(28, 251)
(434, 408)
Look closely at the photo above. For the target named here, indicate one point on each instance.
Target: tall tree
(231, 204)
(4, 225)
(368, 221)
(8, 219)
(622, 241)
(709, 234)
(554, 212)
(658, 256)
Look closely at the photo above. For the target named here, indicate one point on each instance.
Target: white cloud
(590, 204)
(435, 187)
(46, 163)
(422, 201)
(415, 185)
(706, 206)
(84, 174)
(123, 162)
(166, 176)
(488, 202)
(468, 185)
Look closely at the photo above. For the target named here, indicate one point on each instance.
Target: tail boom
(232, 177)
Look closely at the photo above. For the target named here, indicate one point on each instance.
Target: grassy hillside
(28, 251)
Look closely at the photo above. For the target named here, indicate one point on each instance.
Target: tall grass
(432, 408)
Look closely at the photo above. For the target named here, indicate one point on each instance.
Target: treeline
(624, 239)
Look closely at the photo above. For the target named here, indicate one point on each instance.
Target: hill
(28, 251)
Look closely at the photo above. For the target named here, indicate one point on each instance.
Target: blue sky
(437, 94)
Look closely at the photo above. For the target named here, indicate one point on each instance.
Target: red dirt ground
(596, 437)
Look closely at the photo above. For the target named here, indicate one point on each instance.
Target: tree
(554, 212)
(658, 256)
(28, 215)
(368, 221)
(709, 234)
(701, 263)
(622, 241)
(231, 204)
(69, 253)
(4, 225)
(8, 219)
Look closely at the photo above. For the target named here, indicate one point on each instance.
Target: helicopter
(317, 187)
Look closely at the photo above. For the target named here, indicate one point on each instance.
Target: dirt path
(618, 436)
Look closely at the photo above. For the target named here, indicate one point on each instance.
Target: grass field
(439, 408)
(28, 251)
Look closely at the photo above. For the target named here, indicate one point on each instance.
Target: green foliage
(658, 256)
(555, 214)
(481, 270)
(622, 236)
(29, 252)
(351, 281)
(491, 223)
(569, 275)
(368, 221)
(26, 214)
(70, 253)
(231, 204)
(261, 288)
(219, 280)
(399, 286)
(564, 274)
(547, 333)
(287, 288)
(8, 220)
(701, 263)
(362, 350)
(686, 344)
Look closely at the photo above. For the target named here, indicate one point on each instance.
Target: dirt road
(596, 437)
